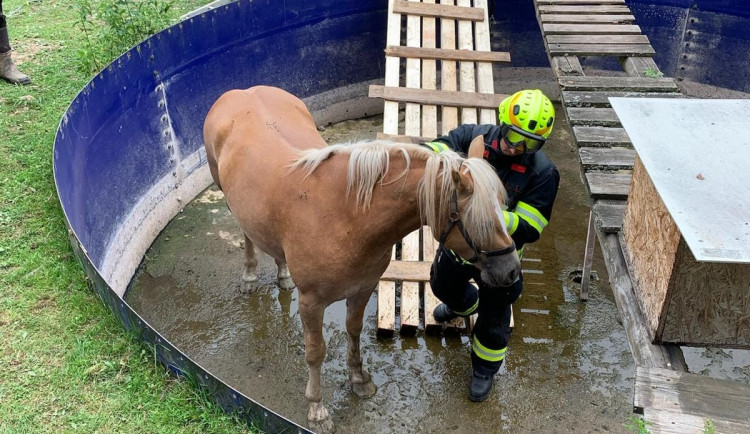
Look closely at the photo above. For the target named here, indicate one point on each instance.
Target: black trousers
(449, 279)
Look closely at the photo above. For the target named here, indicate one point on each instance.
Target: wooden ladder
(575, 28)
(463, 92)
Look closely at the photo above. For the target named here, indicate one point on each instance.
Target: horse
(330, 215)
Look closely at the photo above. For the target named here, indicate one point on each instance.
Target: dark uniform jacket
(531, 181)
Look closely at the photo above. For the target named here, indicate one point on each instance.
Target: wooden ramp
(433, 105)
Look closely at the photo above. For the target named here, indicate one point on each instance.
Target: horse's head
(475, 227)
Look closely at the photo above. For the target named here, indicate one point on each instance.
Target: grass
(66, 363)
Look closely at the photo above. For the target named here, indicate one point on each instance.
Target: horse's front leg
(284, 277)
(250, 276)
(311, 314)
(360, 379)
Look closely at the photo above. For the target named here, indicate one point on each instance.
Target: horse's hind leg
(360, 379)
(250, 276)
(284, 277)
(311, 314)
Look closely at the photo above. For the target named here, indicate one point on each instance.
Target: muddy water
(568, 367)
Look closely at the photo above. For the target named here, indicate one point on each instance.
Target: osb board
(708, 303)
(651, 239)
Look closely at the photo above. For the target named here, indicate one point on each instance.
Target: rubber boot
(480, 386)
(8, 70)
(443, 313)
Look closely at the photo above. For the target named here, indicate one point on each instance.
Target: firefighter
(531, 180)
(8, 70)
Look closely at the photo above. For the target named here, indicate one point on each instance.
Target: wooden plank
(588, 258)
(597, 39)
(413, 111)
(485, 83)
(387, 305)
(601, 50)
(447, 54)
(590, 29)
(441, 10)
(448, 81)
(667, 422)
(593, 116)
(601, 99)
(437, 97)
(404, 139)
(466, 75)
(588, 9)
(633, 84)
(410, 248)
(393, 37)
(606, 158)
(580, 2)
(429, 247)
(586, 19)
(429, 74)
(693, 394)
(606, 185)
(608, 215)
(567, 65)
(601, 136)
(409, 271)
(640, 66)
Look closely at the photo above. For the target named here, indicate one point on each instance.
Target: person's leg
(490, 336)
(449, 281)
(8, 70)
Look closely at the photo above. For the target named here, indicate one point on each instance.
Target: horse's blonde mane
(369, 161)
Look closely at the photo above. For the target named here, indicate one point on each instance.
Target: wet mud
(568, 369)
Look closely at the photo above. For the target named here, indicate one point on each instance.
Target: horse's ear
(476, 148)
(462, 182)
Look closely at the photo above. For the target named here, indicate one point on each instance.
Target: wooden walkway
(433, 105)
(670, 399)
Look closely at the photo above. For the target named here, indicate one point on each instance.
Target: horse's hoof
(286, 283)
(322, 427)
(249, 284)
(365, 390)
(319, 420)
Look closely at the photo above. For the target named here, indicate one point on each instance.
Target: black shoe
(443, 313)
(480, 387)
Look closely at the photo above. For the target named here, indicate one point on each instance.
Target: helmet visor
(516, 137)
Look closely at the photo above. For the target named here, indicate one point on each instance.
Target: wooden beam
(593, 117)
(591, 29)
(438, 10)
(607, 185)
(601, 98)
(567, 65)
(601, 136)
(597, 39)
(640, 66)
(586, 19)
(583, 9)
(447, 54)
(580, 2)
(601, 50)
(606, 158)
(608, 215)
(437, 97)
(633, 84)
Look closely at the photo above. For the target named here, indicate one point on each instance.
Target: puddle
(568, 366)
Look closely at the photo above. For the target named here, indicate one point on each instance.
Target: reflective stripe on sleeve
(531, 216)
(487, 354)
(511, 221)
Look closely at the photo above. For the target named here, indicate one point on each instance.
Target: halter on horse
(332, 213)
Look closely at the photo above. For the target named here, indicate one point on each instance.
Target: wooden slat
(633, 84)
(393, 37)
(601, 136)
(605, 185)
(387, 305)
(413, 111)
(618, 50)
(567, 65)
(607, 158)
(593, 116)
(591, 29)
(447, 54)
(466, 75)
(586, 19)
(601, 98)
(608, 215)
(597, 39)
(429, 74)
(699, 395)
(404, 139)
(583, 9)
(485, 83)
(429, 247)
(640, 66)
(667, 422)
(441, 10)
(410, 248)
(580, 2)
(437, 97)
(448, 80)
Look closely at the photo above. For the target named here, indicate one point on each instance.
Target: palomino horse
(333, 213)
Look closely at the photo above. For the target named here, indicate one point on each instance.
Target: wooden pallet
(463, 94)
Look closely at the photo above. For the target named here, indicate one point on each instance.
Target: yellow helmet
(526, 118)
